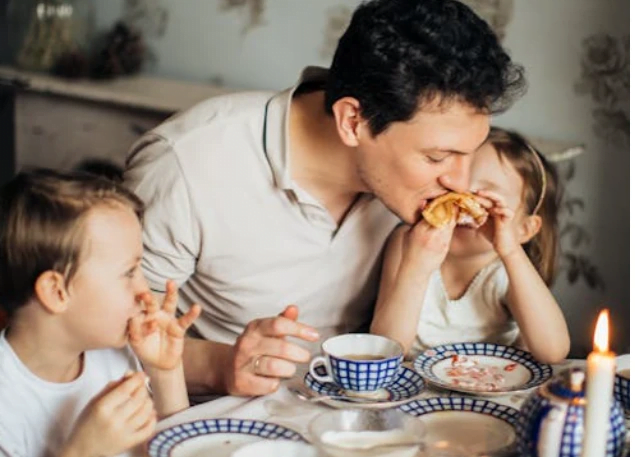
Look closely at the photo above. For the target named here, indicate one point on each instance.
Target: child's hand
(503, 236)
(120, 417)
(156, 335)
(425, 247)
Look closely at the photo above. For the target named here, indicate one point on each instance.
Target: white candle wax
(599, 394)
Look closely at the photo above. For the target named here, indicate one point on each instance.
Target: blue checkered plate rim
(164, 443)
(406, 386)
(467, 404)
(504, 437)
(428, 362)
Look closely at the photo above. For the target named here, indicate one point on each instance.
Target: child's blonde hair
(541, 196)
(43, 214)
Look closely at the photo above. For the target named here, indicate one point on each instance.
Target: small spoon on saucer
(313, 398)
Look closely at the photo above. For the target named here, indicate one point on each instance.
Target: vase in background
(42, 31)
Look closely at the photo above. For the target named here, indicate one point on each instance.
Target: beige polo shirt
(225, 220)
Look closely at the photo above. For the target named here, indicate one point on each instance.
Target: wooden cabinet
(52, 122)
(57, 132)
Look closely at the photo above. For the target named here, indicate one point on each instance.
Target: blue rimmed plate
(471, 425)
(222, 436)
(406, 387)
(481, 368)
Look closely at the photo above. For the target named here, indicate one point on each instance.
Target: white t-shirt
(226, 221)
(37, 416)
(480, 315)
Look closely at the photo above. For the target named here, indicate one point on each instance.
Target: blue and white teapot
(551, 420)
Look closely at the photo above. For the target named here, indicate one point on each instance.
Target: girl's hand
(156, 335)
(426, 247)
(504, 235)
(118, 418)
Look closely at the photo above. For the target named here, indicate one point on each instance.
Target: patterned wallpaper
(605, 73)
(252, 9)
(497, 13)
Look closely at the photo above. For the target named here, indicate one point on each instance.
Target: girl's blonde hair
(541, 196)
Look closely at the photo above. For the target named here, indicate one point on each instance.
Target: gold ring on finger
(256, 362)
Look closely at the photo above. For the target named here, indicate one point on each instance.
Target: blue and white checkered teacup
(358, 362)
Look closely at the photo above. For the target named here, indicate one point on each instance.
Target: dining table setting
(359, 397)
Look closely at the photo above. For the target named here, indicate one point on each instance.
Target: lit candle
(599, 390)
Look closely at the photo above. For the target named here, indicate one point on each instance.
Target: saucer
(222, 436)
(481, 368)
(406, 387)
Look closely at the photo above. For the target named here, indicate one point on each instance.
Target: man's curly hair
(396, 54)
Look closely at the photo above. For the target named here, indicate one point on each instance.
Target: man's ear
(50, 290)
(530, 226)
(348, 120)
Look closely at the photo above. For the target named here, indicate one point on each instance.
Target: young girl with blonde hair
(489, 284)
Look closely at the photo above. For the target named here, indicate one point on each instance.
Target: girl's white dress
(480, 315)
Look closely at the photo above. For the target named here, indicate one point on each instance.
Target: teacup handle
(321, 360)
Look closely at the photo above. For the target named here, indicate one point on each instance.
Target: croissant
(464, 207)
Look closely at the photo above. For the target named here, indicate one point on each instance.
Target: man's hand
(262, 356)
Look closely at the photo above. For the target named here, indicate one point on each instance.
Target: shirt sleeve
(170, 235)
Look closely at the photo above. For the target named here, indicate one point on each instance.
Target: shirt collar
(276, 127)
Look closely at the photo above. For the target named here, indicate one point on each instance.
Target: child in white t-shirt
(460, 284)
(81, 320)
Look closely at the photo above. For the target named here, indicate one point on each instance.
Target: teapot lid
(569, 385)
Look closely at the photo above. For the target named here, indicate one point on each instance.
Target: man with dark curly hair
(259, 200)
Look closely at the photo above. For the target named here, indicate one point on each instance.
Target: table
(285, 408)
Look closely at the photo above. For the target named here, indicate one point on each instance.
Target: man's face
(413, 162)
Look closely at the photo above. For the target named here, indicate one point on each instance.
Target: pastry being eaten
(464, 207)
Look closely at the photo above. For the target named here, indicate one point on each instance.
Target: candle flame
(601, 336)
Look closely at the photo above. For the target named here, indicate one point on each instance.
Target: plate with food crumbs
(222, 436)
(481, 368)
